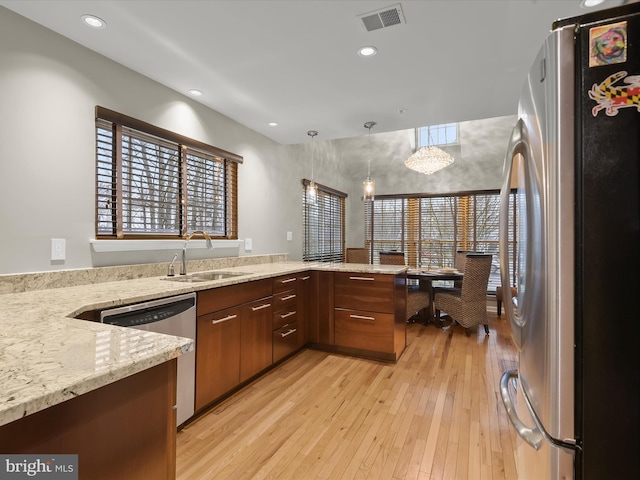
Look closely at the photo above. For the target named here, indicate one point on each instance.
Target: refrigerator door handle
(533, 436)
(530, 435)
(518, 144)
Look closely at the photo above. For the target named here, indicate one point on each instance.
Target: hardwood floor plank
(435, 414)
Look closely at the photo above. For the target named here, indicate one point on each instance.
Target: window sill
(100, 246)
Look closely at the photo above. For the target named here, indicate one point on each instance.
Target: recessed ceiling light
(93, 21)
(195, 92)
(273, 124)
(367, 51)
(590, 3)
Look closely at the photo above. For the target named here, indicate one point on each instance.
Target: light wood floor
(436, 414)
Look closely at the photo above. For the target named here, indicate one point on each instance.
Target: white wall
(49, 87)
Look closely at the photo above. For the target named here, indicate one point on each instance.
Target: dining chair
(461, 256)
(467, 305)
(357, 255)
(514, 293)
(391, 258)
(417, 298)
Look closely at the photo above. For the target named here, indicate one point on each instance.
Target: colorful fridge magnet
(611, 97)
(608, 44)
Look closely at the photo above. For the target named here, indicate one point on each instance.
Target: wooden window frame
(222, 183)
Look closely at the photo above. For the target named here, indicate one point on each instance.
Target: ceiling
(296, 62)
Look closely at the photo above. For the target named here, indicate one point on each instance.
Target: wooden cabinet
(368, 313)
(304, 306)
(233, 340)
(123, 430)
(217, 354)
(255, 337)
(321, 309)
(285, 316)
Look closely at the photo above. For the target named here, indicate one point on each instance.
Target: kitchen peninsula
(111, 377)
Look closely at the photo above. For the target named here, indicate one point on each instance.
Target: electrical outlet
(289, 236)
(58, 248)
(248, 244)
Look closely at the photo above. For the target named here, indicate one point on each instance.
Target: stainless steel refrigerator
(574, 161)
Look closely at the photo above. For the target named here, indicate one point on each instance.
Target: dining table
(426, 277)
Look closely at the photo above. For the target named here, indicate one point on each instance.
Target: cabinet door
(256, 337)
(304, 305)
(217, 355)
(321, 308)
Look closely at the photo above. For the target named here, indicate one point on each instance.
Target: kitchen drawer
(284, 317)
(285, 282)
(285, 341)
(364, 291)
(220, 298)
(364, 330)
(285, 300)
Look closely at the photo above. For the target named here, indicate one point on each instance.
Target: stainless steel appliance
(574, 157)
(172, 316)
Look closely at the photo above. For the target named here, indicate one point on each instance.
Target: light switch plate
(289, 236)
(248, 244)
(58, 248)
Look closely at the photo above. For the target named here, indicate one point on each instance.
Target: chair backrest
(477, 268)
(357, 255)
(391, 258)
(461, 256)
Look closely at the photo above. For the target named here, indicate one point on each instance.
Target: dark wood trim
(121, 119)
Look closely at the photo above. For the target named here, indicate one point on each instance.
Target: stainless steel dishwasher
(172, 316)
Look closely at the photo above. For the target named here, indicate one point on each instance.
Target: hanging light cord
(369, 125)
(312, 134)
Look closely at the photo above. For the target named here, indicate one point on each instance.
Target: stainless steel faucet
(183, 265)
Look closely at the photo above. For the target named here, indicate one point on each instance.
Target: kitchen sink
(203, 276)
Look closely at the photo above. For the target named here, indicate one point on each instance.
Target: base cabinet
(255, 337)
(217, 354)
(285, 316)
(124, 430)
(233, 338)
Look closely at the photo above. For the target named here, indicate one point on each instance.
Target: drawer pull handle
(288, 280)
(260, 307)
(371, 279)
(363, 317)
(288, 314)
(305, 278)
(292, 330)
(288, 297)
(225, 319)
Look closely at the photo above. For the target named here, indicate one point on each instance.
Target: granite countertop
(47, 356)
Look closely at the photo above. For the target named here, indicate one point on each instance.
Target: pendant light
(429, 159)
(369, 185)
(312, 188)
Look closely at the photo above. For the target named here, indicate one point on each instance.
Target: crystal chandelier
(312, 188)
(369, 184)
(428, 159)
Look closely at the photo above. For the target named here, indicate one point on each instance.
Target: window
(152, 183)
(444, 134)
(430, 229)
(323, 225)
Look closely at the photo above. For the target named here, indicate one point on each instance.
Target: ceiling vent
(383, 18)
